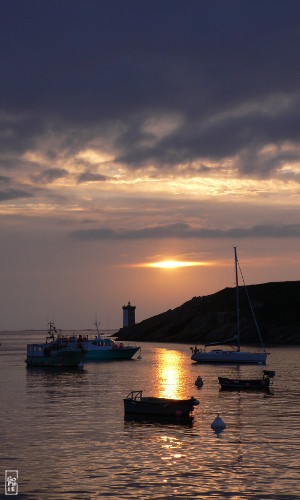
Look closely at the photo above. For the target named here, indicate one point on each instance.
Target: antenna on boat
(97, 325)
(52, 329)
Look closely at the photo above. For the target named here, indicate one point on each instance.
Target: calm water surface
(64, 431)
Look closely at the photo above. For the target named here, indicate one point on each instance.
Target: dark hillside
(213, 317)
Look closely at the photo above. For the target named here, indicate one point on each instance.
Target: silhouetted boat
(105, 349)
(136, 403)
(57, 351)
(248, 384)
(232, 356)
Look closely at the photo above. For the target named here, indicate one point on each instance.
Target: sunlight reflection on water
(170, 373)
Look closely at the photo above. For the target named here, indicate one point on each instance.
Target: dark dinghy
(248, 384)
(136, 404)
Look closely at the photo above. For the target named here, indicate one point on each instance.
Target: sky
(136, 132)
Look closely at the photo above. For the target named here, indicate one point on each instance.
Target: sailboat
(232, 356)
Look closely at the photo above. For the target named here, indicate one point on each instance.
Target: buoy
(218, 424)
(199, 382)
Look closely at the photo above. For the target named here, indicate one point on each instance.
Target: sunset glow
(174, 264)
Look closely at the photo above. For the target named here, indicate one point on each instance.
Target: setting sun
(174, 264)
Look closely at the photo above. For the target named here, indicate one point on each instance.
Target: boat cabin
(35, 350)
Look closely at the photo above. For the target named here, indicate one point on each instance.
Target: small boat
(235, 355)
(57, 351)
(136, 403)
(104, 348)
(248, 384)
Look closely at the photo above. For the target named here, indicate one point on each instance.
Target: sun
(173, 264)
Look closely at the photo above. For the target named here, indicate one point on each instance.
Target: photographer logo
(11, 482)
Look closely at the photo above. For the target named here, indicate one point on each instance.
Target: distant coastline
(212, 317)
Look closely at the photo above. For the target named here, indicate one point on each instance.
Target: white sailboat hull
(223, 356)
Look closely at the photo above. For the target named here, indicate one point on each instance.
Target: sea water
(63, 432)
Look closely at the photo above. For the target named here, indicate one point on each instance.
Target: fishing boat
(234, 355)
(137, 404)
(248, 384)
(57, 351)
(105, 348)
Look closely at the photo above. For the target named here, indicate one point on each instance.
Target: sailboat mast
(237, 299)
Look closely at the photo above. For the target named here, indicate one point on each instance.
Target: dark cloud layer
(184, 231)
(90, 177)
(14, 194)
(51, 174)
(230, 70)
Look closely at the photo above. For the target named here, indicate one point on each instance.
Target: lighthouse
(128, 315)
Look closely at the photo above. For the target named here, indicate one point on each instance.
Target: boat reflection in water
(157, 420)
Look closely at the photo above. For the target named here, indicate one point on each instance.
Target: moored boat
(235, 355)
(105, 348)
(136, 403)
(57, 351)
(223, 356)
(248, 384)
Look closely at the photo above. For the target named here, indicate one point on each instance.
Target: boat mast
(237, 299)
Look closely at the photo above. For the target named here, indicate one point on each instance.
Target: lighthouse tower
(128, 315)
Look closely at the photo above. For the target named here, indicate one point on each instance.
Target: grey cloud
(50, 175)
(185, 231)
(90, 177)
(233, 135)
(166, 231)
(4, 179)
(201, 60)
(13, 194)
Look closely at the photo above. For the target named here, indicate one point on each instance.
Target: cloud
(4, 179)
(185, 231)
(12, 190)
(90, 177)
(13, 194)
(50, 175)
(175, 83)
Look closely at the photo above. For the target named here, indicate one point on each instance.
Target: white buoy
(218, 425)
(199, 382)
(140, 355)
